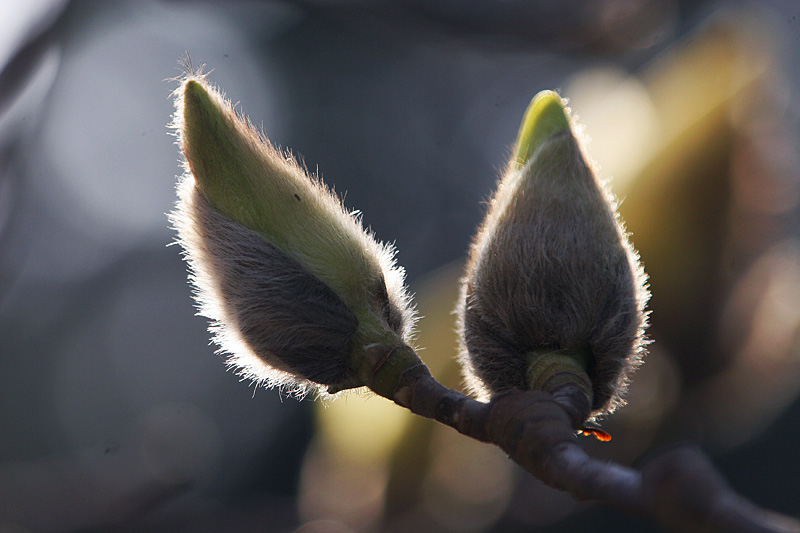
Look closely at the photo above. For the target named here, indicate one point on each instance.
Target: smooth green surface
(223, 162)
(550, 370)
(546, 115)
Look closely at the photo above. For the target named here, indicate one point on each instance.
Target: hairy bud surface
(553, 292)
(294, 285)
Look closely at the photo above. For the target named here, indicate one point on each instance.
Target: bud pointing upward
(553, 297)
(295, 286)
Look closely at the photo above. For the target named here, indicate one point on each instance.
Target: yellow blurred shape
(362, 429)
(618, 120)
(647, 126)
(436, 297)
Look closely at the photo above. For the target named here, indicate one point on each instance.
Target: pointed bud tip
(546, 115)
(196, 98)
(193, 87)
(210, 143)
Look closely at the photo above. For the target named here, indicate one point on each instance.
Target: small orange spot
(598, 433)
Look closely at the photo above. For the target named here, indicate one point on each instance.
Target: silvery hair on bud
(551, 269)
(273, 315)
(279, 323)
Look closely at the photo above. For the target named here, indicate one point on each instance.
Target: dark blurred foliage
(115, 414)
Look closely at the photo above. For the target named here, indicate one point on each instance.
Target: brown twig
(680, 488)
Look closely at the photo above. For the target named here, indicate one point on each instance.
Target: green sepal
(546, 115)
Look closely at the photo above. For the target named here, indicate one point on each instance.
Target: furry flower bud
(553, 293)
(294, 285)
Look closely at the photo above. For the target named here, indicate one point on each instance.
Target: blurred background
(115, 413)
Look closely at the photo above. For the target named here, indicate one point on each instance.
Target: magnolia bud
(553, 294)
(295, 287)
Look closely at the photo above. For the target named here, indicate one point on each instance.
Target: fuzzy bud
(295, 287)
(553, 294)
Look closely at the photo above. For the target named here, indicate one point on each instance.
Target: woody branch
(680, 488)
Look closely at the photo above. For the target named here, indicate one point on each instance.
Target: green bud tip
(222, 154)
(546, 115)
(294, 285)
(553, 298)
